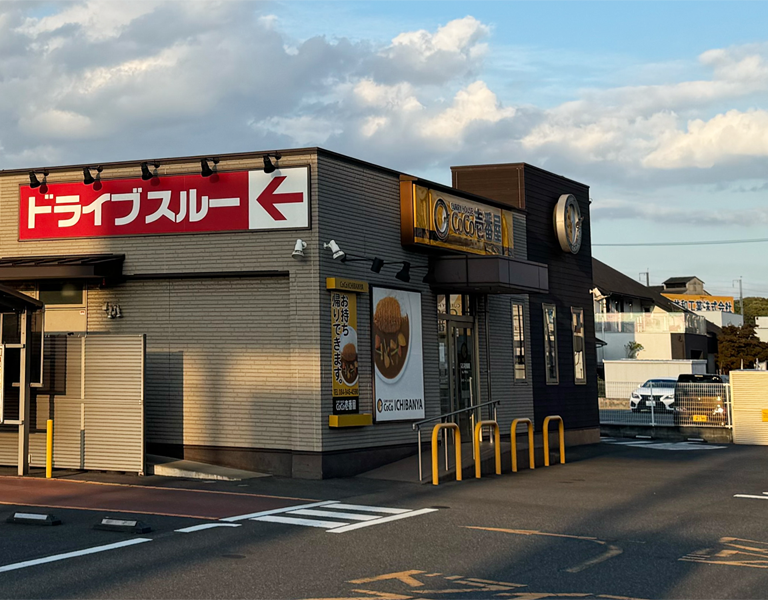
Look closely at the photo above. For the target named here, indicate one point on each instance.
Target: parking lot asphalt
(631, 520)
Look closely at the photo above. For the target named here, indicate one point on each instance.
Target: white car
(657, 393)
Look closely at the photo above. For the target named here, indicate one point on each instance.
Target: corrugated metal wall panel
(112, 406)
(9, 448)
(749, 395)
(114, 402)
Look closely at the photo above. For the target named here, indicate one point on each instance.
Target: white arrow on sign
(278, 200)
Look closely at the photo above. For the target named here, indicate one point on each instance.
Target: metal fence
(671, 405)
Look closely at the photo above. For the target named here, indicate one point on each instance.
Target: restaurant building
(299, 310)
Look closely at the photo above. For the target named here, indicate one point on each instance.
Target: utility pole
(741, 298)
(647, 277)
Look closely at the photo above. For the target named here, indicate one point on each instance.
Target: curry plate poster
(397, 355)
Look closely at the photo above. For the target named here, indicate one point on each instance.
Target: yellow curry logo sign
(437, 219)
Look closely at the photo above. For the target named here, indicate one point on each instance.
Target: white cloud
(706, 143)
(476, 103)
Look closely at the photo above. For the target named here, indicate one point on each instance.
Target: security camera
(298, 249)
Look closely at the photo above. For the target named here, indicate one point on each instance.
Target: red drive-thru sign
(238, 201)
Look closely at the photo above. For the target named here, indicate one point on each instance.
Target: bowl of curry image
(348, 345)
(391, 337)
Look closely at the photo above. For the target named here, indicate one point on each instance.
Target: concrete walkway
(174, 467)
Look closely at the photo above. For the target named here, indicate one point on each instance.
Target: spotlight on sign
(334, 247)
(34, 182)
(88, 178)
(146, 174)
(404, 274)
(205, 168)
(376, 265)
(268, 166)
(298, 250)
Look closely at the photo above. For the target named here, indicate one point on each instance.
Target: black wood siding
(570, 282)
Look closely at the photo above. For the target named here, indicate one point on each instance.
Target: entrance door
(458, 358)
(463, 374)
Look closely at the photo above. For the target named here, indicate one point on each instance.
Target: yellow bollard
(49, 449)
(561, 427)
(457, 444)
(478, 426)
(513, 436)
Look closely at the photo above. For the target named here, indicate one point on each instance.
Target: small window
(455, 304)
(577, 320)
(61, 293)
(518, 341)
(550, 344)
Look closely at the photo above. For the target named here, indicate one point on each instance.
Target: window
(518, 341)
(60, 292)
(577, 321)
(550, 344)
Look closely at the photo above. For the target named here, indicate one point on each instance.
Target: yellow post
(497, 439)
(561, 427)
(513, 438)
(49, 449)
(456, 442)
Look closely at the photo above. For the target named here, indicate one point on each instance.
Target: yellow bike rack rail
(497, 439)
(456, 443)
(513, 438)
(546, 439)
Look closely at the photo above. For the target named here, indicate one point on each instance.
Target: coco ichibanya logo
(399, 404)
(466, 221)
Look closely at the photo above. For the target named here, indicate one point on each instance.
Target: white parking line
(66, 555)
(750, 496)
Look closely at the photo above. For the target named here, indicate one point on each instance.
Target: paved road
(618, 521)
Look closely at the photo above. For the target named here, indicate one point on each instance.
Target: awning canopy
(488, 275)
(13, 301)
(89, 266)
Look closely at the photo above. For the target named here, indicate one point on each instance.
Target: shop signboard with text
(440, 220)
(229, 201)
(704, 303)
(397, 355)
(344, 348)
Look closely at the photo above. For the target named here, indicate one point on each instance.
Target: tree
(633, 348)
(737, 344)
(754, 306)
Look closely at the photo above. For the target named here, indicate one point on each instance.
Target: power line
(709, 243)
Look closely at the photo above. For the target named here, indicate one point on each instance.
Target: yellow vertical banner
(344, 352)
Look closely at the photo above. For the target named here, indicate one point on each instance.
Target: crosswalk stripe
(412, 513)
(305, 522)
(333, 514)
(363, 508)
(275, 511)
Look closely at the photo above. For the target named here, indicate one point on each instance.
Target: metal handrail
(418, 424)
(417, 427)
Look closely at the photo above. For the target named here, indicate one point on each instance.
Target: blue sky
(660, 107)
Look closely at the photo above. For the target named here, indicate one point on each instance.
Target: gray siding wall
(230, 362)
(219, 360)
(360, 209)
